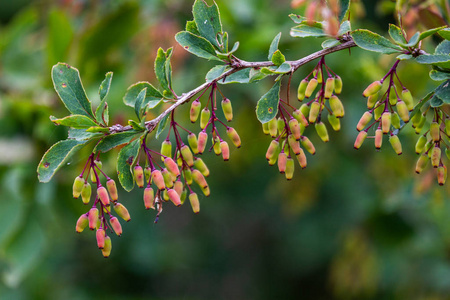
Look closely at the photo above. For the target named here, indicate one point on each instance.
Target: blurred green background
(353, 225)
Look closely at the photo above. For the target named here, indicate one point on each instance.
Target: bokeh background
(352, 225)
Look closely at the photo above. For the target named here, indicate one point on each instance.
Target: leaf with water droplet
(126, 158)
(267, 107)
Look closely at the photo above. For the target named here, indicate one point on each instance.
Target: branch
(236, 65)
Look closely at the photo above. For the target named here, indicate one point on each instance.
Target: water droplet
(205, 21)
(68, 163)
(46, 165)
(64, 85)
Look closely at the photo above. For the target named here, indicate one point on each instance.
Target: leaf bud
(227, 109)
(204, 117)
(329, 87)
(435, 156)
(93, 218)
(195, 110)
(295, 128)
(322, 131)
(372, 89)
(403, 111)
(396, 144)
(302, 89)
(77, 186)
(395, 120)
(168, 179)
(192, 140)
(386, 122)
(202, 140)
(314, 112)
(122, 211)
(195, 204)
(289, 172)
(334, 122)
(435, 131)
(308, 145)
(234, 136)
(103, 195)
(139, 176)
(106, 251)
(294, 144)
(148, 198)
(372, 100)
(272, 150)
(200, 165)
(273, 127)
(312, 84)
(297, 114)
(187, 155)
(166, 149)
(422, 163)
(225, 150)
(336, 106)
(360, 139)
(365, 119)
(408, 99)
(301, 158)
(100, 235)
(338, 85)
(442, 174)
(115, 224)
(378, 138)
(158, 179)
(82, 223)
(420, 145)
(282, 158)
(86, 193)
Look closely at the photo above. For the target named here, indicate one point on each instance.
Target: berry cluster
(99, 217)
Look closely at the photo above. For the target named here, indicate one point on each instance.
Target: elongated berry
(395, 120)
(272, 150)
(168, 179)
(360, 139)
(420, 145)
(139, 176)
(447, 126)
(378, 138)
(314, 112)
(273, 129)
(166, 149)
(100, 236)
(442, 174)
(312, 84)
(408, 99)
(188, 176)
(147, 174)
(308, 145)
(373, 88)
(82, 223)
(204, 117)
(396, 144)
(422, 163)
(174, 197)
(148, 198)
(386, 122)
(200, 165)
(282, 158)
(294, 144)
(435, 131)
(322, 131)
(187, 155)
(183, 196)
(86, 193)
(158, 179)
(106, 251)
(289, 172)
(403, 111)
(193, 143)
(99, 166)
(318, 74)
(297, 114)
(265, 127)
(199, 179)
(329, 87)
(178, 187)
(115, 224)
(171, 166)
(122, 211)
(216, 146)
(295, 128)
(419, 127)
(103, 195)
(301, 89)
(202, 140)
(195, 204)
(195, 110)
(334, 122)
(93, 218)
(392, 97)
(372, 100)
(447, 153)
(112, 189)
(227, 109)
(416, 119)
(336, 106)
(225, 150)
(281, 126)
(435, 156)
(338, 85)
(304, 109)
(365, 119)
(378, 111)
(234, 136)
(77, 186)
(301, 158)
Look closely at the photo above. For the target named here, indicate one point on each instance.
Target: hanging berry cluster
(289, 127)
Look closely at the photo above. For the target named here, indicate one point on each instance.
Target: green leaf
(256, 74)
(162, 124)
(60, 36)
(429, 32)
(421, 103)
(67, 83)
(192, 27)
(74, 121)
(267, 107)
(196, 45)
(82, 134)
(345, 6)
(278, 58)
(440, 60)
(396, 34)
(443, 92)
(436, 102)
(297, 19)
(443, 48)
(282, 69)
(163, 70)
(274, 45)
(445, 33)
(344, 28)
(330, 43)
(102, 111)
(136, 126)
(125, 160)
(55, 157)
(215, 72)
(439, 75)
(413, 40)
(241, 76)
(95, 129)
(305, 30)
(139, 101)
(152, 98)
(113, 140)
(207, 19)
(404, 56)
(371, 41)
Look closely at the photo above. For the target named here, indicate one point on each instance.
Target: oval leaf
(152, 95)
(207, 19)
(74, 121)
(113, 140)
(125, 160)
(162, 124)
(371, 41)
(267, 107)
(196, 45)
